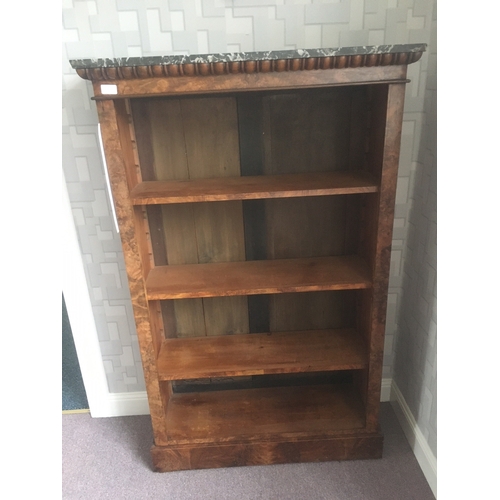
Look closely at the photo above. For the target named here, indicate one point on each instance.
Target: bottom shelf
(270, 413)
(267, 425)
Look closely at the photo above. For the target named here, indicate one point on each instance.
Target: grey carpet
(109, 459)
(74, 396)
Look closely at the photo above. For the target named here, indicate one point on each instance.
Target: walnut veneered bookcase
(255, 194)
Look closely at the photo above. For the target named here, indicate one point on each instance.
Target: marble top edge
(244, 56)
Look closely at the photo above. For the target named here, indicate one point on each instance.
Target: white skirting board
(418, 443)
(385, 390)
(121, 404)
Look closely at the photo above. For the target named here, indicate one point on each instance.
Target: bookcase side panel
(386, 146)
(117, 147)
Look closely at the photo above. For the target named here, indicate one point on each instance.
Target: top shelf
(253, 187)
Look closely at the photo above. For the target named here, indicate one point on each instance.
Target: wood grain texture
(306, 227)
(253, 188)
(212, 150)
(251, 135)
(113, 122)
(259, 354)
(125, 132)
(307, 131)
(304, 131)
(160, 138)
(179, 147)
(312, 310)
(359, 128)
(187, 85)
(226, 315)
(146, 221)
(264, 413)
(382, 249)
(187, 457)
(257, 277)
(179, 229)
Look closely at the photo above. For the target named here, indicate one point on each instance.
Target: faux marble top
(245, 56)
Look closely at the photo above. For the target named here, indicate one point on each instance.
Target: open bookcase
(255, 199)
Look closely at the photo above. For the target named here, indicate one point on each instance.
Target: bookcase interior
(259, 134)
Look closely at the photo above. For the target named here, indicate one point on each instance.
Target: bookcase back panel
(309, 227)
(159, 135)
(306, 131)
(359, 129)
(251, 134)
(209, 316)
(203, 232)
(378, 98)
(179, 139)
(190, 139)
(264, 313)
(311, 310)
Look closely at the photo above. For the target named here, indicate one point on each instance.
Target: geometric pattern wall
(127, 28)
(415, 365)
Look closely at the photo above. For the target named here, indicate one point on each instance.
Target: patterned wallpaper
(415, 363)
(122, 28)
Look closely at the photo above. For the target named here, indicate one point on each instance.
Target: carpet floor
(109, 458)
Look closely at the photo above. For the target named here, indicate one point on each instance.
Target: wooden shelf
(261, 354)
(257, 277)
(253, 187)
(268, 413)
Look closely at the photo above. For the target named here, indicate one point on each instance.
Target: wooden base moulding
(187, 457)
